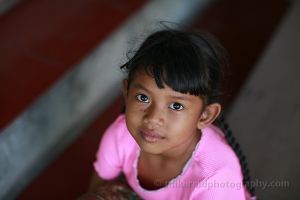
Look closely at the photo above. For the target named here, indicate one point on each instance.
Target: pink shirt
(212, 173)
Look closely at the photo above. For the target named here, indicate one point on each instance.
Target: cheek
(185, 122)
(134, 110)
(177, 122)
(133, 113)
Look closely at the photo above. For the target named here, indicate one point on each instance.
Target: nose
(154, 115)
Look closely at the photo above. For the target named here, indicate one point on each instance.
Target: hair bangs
(174, 62)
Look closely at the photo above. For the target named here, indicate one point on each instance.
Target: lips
(150, 136)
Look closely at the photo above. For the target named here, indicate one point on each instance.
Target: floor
(41, 40)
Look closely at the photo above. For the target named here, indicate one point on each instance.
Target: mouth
(150, 136)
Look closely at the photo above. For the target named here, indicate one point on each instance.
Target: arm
(95, 182)
(106, 179)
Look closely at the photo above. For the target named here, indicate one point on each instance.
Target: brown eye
(142, 98)
(176, 106)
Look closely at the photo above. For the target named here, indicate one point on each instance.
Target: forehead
(143, 81)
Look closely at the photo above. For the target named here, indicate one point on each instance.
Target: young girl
(165, 143)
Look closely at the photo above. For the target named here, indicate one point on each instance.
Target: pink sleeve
(224, 185)
(108, 163)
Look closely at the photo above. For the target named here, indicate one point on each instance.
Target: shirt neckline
(184, 170)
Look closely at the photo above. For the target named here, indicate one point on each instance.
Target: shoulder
(118, 126)
(116, 147)
(214, 154)
(217, 168)
(117, 132)
(224, 184)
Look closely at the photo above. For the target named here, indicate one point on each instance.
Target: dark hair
(188, 63)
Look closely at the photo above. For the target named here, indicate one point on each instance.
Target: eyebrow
(139, 86)
(180, 98)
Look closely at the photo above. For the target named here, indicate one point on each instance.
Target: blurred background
(60, 85)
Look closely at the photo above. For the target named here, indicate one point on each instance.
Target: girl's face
(162, 121)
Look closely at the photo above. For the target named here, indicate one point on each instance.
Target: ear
(125, 87)
(210, 113)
